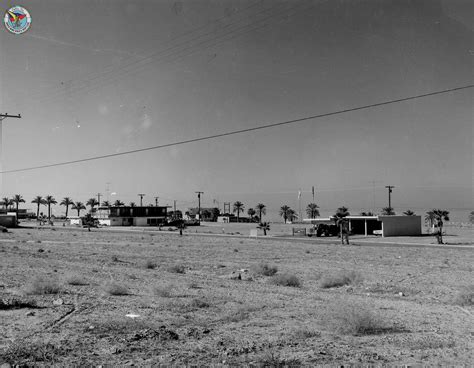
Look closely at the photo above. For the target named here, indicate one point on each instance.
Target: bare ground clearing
(401, 310)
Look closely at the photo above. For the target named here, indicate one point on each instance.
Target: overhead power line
(266, 126)
(180, 50)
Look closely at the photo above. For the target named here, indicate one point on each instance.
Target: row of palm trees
(49, 201)
(260, 208)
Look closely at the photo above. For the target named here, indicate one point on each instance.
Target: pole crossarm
(7, 115)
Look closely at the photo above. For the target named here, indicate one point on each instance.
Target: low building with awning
(377, 225)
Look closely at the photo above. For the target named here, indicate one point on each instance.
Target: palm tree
(439, 216)
(341, 221)
(118, 203)
(132, 204)
(366, 213)
(251, 212)
(388, 211)
(430, 218)
(66, 202)
(471, 217)
(409, 213)
(6, 202)
(92, 202)
(312, 210)
(105, 204)
(17, 199)
(39, 200)
(262, 210)
(78, 206)
(49, 201)
(342, 212)
(292, 216)
(238, 207)
(284, 212)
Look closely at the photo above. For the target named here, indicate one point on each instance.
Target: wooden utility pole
(3, 117)
(199, 208)
(98, 197)
(389, 187)
(156, 201)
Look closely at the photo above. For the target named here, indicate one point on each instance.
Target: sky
(95, 77)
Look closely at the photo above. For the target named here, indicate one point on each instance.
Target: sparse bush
(199, 303)
(344, 278)
(273, 359)
(113, 288)
(151, 265)
(356, 320)
(305, 333)
(77, 280)
(240, 313)
(286, 280)
(115, 259)
(25, 352)
(163, 292)
(40, 286)
(177, 269)
(265, 270)
(14, 303)
(465, 296)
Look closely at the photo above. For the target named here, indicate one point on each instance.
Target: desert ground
(70, 297)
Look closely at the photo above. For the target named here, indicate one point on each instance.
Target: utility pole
(3, 117)
(98, 197)
(389, 187)
(141, 199)
(174, 207)
(199, 208)
(313, 193)
(156, 201)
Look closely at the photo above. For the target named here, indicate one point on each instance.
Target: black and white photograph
(236, 183)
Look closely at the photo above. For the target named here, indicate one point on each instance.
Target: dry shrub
(113, 288)
(341, 279)
(24, 352)
(286, 280)
(15, 303)
(465, 296)
(164, 292)
(356, 319)
(265, 270)
(199, 303)
(273, 359)
(177, 269)
(77, 280)
(40, 286)
(305, 333)
(241, 313)
(151, 265)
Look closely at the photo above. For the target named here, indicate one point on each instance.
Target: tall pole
(3, 117)
(141, 199)
(174, 207)
(156, 201)
(98, 197)
(299, 199)
(199, 208)
(389, 187)
(313, 193)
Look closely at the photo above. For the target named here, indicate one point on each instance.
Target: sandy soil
(209, 315)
